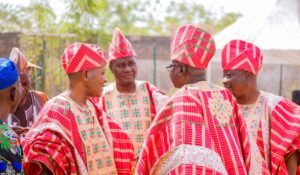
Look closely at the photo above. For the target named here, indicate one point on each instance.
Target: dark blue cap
(8, 73)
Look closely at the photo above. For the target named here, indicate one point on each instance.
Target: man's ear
(183, 69)
(249, 75)
(13, 93)
(84, 75)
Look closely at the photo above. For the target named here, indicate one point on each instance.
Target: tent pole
(280, 80)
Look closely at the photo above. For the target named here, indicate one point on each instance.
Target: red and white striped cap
(78, 57)
(241, 55)
(193, 46)
(120, 47)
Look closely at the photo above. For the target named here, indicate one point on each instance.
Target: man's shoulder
(58, 103)
(206, 87)
(272, 100)
(39, 92)
(41, 95)
(108, 89)
(141, 83)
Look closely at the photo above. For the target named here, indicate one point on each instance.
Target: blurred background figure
(296, 97)
(32, 101)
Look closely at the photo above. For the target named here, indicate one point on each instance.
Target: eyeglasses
(171, 66)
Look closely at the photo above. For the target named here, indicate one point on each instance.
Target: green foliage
(109, 75)
(93, 21)
(194, 13)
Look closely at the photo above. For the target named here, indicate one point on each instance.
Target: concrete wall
(145, 72)
(7, 42)
(268, 79)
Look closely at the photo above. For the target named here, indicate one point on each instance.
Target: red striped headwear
(241, 55)
(78, 57)
(120, 47)
(193, 46)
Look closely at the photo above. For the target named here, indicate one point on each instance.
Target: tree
(195, 13)
(38, 17)
(94, 20)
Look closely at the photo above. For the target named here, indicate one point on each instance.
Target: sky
(245, 7)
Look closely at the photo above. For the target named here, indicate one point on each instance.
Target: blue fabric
(8, 73)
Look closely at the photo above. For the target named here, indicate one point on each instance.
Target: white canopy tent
(277, 32)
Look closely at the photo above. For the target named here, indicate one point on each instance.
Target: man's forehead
(238, 72)
(124, 60)
(175, 62)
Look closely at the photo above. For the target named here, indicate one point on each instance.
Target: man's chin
(128, 81)
(97, 94)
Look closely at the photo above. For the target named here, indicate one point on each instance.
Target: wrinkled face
(95, 81)
(124, 70)
(236, 82)
(25, 78)
(16, 95)
(176, 74)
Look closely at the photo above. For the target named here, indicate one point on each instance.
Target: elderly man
(272, 120)
(199, 130)
(10, 96)
(32, 101)
(133, 104)
(71, 135)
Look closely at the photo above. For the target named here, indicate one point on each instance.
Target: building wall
(146, 47)
(268, 79)
(7, 42)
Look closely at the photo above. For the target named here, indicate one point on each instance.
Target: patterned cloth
(133, 111)
(275, 124)
(10, 151)
(120, 47)
(26, 114)
(193, 46)
(69, 139)
(241, 55)
(199, 131)
(80, 56)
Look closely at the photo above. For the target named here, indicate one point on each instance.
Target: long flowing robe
(133, 111)
(199, 131)
(70, 139)
(274, 123)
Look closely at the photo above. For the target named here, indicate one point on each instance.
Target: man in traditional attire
(273, 121)
(32, 100)
(199, 130)
(71, 135)
(10, 96)
(132, 103)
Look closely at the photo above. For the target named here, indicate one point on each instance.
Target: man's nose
(225, 80)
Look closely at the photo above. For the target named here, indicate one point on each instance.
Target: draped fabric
(70, 139)
(133, 111)
(275, 124)
(199, 131)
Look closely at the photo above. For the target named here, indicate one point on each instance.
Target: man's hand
(292, 162)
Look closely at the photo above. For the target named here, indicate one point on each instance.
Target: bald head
(182, 74)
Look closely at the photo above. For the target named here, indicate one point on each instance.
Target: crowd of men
(131, 127)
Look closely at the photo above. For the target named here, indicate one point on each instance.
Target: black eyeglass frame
(171, 66)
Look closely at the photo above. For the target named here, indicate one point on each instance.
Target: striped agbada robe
(70, 139)
(272, 120)
(133, 111)
(199, 131)
(275, 124)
